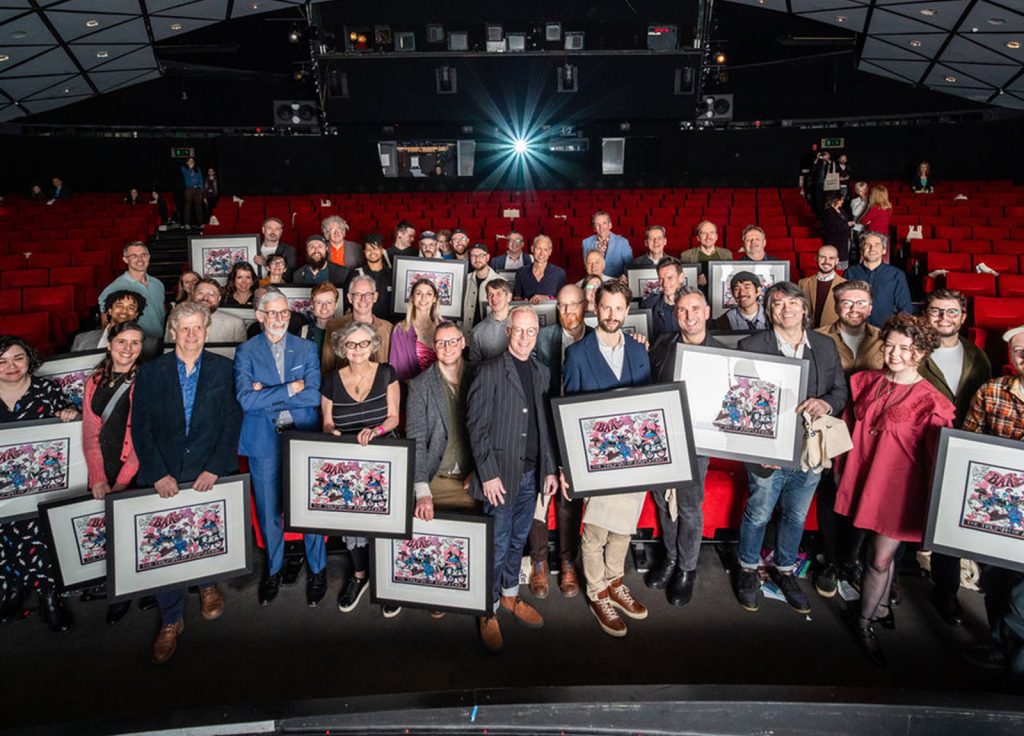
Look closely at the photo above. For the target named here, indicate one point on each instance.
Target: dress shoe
(680, 589)
(117, 611)
(659, 576)
(316, 587)
(167, 641)
(948, 608)
(490, 634)
(607, 617)
(270, 586)
(13, 606)
(147, 603)
(869, 642)
(53, 612)
(524, 613)
(568, 583)
(211, 602)
(539, 579)
(622, 599)
(292, 567)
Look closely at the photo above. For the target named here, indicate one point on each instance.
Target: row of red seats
(973, 284)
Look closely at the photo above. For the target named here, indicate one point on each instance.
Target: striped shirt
(350, 415)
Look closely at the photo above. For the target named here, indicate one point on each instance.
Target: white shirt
(950, 362)
(853, 341)
(788, 350)
(614, 356)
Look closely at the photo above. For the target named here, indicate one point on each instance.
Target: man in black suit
(318, 269)
(792, 489)
(185, 426)
(507, 420)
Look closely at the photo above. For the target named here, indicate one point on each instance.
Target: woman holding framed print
(884, 481)
(240, 286)
(360, 398)
(25, 557)
(106, 422)
(412, 340)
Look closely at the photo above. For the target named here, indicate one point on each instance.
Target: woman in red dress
(896, 418)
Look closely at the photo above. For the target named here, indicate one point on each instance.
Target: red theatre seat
(10, 301)
(972, 284)
(1010, 284)
(32, 328)
(1002, 263)
(949, 261)
(997, 314)
(59, 302)
(25, 277)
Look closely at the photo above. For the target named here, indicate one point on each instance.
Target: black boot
(680, 589)
(53, 612)
(659, 576)
(13, 606)
(269, 587)
(117, 611)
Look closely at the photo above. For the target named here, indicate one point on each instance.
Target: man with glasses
(514, 258)
(481, 274)
(223, 327)
(957, 368)
(655, 239)
(889, 289)
(342, 252)
(490, 337)
(854, 336)
(136, 278)
(277, 383)
(362, 295)
(508, 422)
(459, 243)
(662, 302)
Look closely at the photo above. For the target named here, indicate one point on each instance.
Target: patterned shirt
(188, 382)
(997, 409)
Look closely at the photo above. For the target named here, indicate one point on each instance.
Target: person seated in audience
(277, 269)
(377, 268)
(754, 242)
(137, 278)
(58, 190)
(156, 200)
(36, 194)
(858, 204)
(361, 398)
(616, 249)
(223, 328)
(25, 553)
(187, 440)
(459, 243)
(836, 226)
(513, 258)
(542, 280)
(271, 244)
(106, 432)
(589, 288)
(879, 212)
(490, 337)
(324, 305)
(594, 265)
(362, 296)
(240, 285)
(655, 240)
(405, 234)
(120, 307)
(412, 339)
(705, 250)
(346, 253)
(748, 315)
(428, 245)
(896, 417)
(923, 182)
(186, 282)
(133, 197)
(297, 322)
(318, 269)
(818, 287)
(890, 292)
(662, 302)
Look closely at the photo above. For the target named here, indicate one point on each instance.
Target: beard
(317, 263)
(610, 326)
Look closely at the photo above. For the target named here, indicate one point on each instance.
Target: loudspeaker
(446, 80)
(573, 40)
(613, 155)
(715, 107)
(296, 114)
(568, 78)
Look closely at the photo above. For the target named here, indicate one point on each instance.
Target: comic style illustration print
(72, 384)
(630, 440)
(217, 262)
(90, 537)
(751, 407)
(34, 467)
(180, 535)
(443, 281)
(432, 560)
(994, 500)
(354, 486)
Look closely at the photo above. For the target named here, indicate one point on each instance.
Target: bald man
(818, 288)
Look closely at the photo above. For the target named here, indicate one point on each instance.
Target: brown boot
(167, 641)
(490, 634)
(539, 579)
(211, 602)
(622, 599)
(525, 614)
(606, 615)
(568, 583)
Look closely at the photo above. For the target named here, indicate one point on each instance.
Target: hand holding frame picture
(977, 501)
(743, 405)
(605, 438)
(448, 277)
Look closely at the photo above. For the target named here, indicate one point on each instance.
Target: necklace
(887, 391)
(358, 388)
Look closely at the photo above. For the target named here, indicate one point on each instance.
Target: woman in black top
(241, 283)
(360, 398)
(837, 229)
(26, 561)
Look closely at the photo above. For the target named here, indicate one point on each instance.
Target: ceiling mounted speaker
(296, 114)
(715, 107)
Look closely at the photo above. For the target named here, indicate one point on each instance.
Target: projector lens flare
(520, 146)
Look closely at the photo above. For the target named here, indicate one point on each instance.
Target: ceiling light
(996, 21)
(929, 12)
(1013, 44)
(91, 23)
(950, 78)
(102, 54)
(915, 43)
(67, 90)
(176, 26)
(840, 19)
(19, 34)
(254, 6)
(4, 57)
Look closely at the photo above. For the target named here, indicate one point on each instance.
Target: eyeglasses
(590, 287)
(566, 306)
(939, 312)
(361, 294)
(515, 240)
(520, 331)
(451, 342)
(362, 344)
(277, 313)
(860, 303)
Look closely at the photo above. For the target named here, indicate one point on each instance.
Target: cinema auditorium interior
(299, 429)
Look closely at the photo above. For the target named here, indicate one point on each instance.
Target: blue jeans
(172, 604)
(266, 487)
(792, 490)
(511, 528)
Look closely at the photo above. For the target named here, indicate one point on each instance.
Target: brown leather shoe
(568, 583)
(539, 579)
(167, 641)
(622, 599)
(490, 634)
(211, 602)
(606, 615)
(525, 614)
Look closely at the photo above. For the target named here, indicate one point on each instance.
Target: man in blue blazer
(608, 358)
(185, 423)
(618, 254)
(277, 382)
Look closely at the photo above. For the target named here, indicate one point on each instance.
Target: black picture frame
(62, 546)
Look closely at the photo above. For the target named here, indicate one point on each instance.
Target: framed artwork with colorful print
(720, 273)
(212, 256)
(40, 461)
(447, 276)
(70, 372)
(77, 528)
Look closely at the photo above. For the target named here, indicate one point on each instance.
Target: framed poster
(977, 501)
(449, 277)
(730, 338)
(213, 255)
(638, 321)
(625, 440)
(720, 272)
(743, 405)
(334, 485)
(77, 528)
(246, 314)
(70, 371)
(156, 544)
(547, 312)
(40, 461)
(509, 276)
(447, 564)
(227, 349)
(643, 280)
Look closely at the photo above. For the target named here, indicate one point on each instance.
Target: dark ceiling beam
(64, 45)
(949, 39)
(229, 9)
(149, 25)
(863, 37)
(1011, 80)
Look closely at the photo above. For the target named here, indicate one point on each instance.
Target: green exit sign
(183, 153)
(833, 143)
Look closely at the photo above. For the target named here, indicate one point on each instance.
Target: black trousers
(945, 573)
(841, 541)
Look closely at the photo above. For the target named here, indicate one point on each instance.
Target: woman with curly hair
(240, 286)
(896, 417)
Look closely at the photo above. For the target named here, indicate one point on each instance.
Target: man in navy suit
(185, 423)
(608, 358)
(277, 382)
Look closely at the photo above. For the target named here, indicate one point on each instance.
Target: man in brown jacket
(818, 288)
(855, 338)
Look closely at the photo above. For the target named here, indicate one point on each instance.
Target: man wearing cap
(748, 314)
(318, 269)
(476, 285)
(514, 258)
(341, 252)
(377, 268)
(429, 247)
